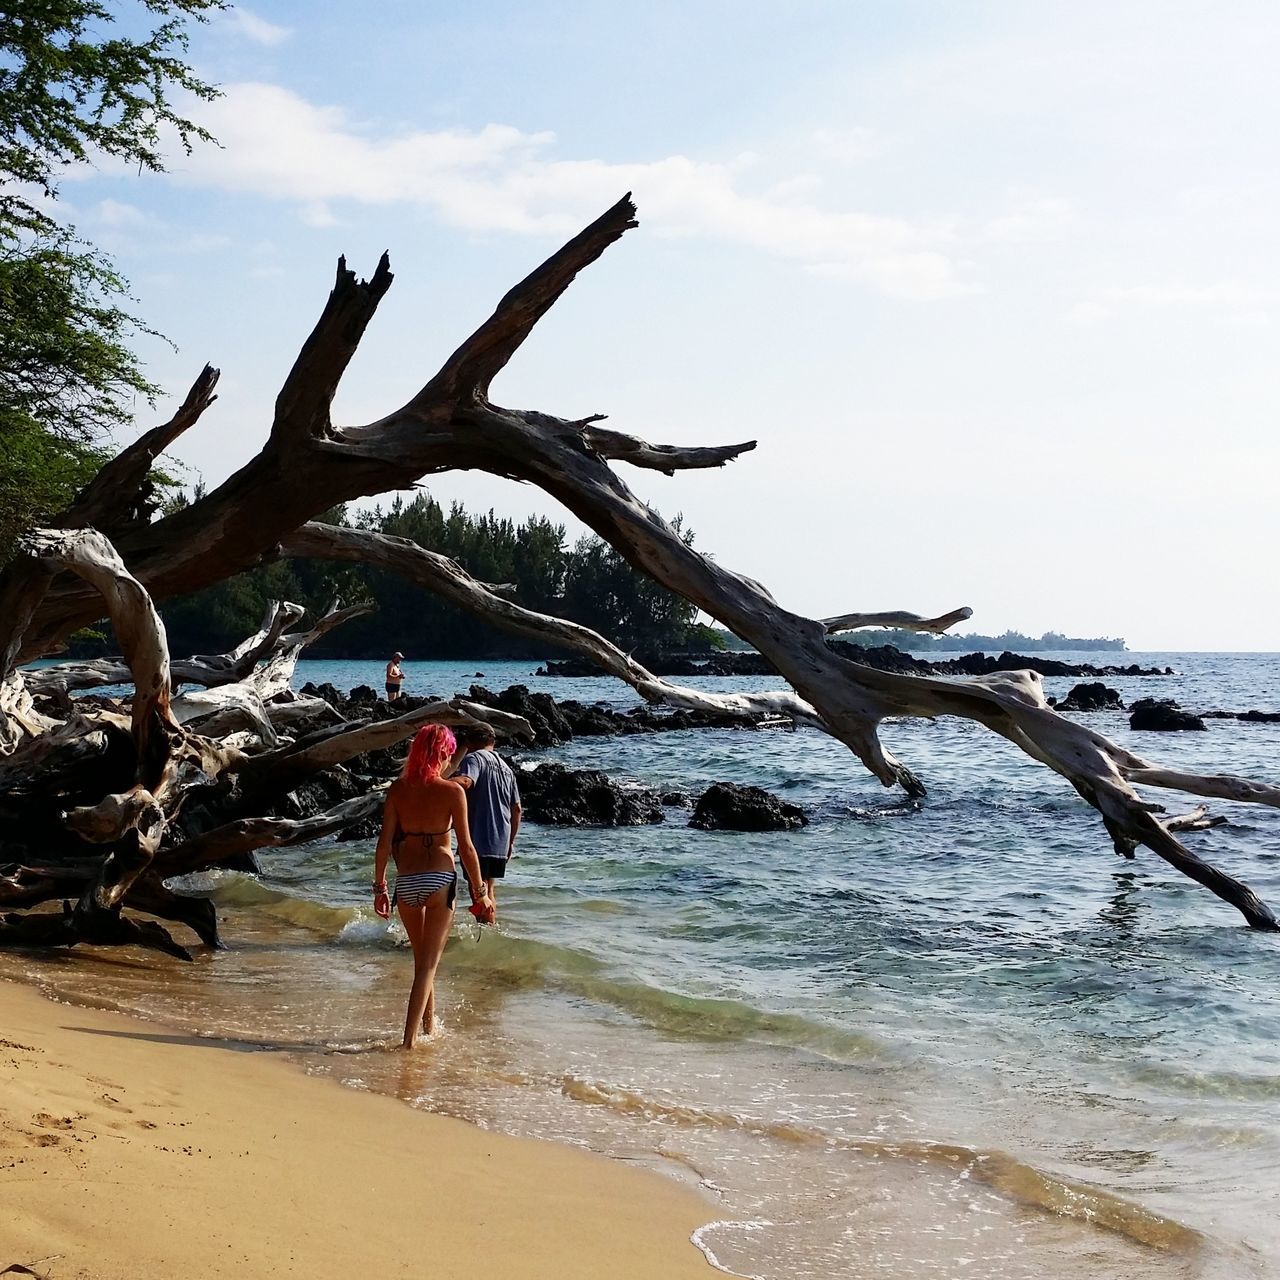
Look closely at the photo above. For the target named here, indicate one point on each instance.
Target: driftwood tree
(92, 794)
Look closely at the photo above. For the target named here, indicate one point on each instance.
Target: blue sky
(995, 285)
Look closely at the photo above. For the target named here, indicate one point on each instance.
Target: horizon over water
(953, 1038)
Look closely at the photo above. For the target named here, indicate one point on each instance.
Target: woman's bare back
(423, 822)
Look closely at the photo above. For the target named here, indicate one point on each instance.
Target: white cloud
(1235, 300)
(244, 23)
(847, 146)
(1033, 220)
(316, 213)
(116, 213)
(498, 178)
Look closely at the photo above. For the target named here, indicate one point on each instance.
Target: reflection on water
(912, 1040)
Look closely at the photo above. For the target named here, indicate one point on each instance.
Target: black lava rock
(1162, 714)
(326, 691)
(554, 794)
(589, 722)
(366, 829)
(1250, 717)
(884, 657)
(1092, 696)
(725, 806)
(550, 728)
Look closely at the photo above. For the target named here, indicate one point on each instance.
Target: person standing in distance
(395, 676)
(493, 802)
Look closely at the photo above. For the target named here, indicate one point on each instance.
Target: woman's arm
(466, 850)
(390, 820)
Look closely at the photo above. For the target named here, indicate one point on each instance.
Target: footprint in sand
(46, 1121)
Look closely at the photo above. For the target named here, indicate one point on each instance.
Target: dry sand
(128, 1151)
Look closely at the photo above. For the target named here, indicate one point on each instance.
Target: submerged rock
(560, 796)
(1162, 714)
(1250, 717)
(725, 806)
(1091, 696)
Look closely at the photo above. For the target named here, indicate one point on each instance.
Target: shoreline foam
(127, 1151)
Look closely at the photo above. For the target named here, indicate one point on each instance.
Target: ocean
(952, 1038)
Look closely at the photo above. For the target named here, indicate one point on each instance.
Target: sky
(995, 285)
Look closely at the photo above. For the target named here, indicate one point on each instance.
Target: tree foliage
(74, 90)
(588, 583)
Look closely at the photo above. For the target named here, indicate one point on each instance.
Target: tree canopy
(588, 582)
(74, 90)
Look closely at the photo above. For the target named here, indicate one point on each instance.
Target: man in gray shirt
(493, 801)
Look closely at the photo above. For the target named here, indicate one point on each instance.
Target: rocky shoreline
(557, 795)
(884, 657)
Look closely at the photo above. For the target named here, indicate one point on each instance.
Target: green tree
(589, 583)
(604, 592)
(74, 89)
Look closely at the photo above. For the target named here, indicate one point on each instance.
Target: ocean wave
(328, 920)
(522, 963)
(1013, 1178)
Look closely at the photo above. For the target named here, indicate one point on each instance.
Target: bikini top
(402, 835)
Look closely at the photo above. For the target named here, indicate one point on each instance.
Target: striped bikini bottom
(414, 890)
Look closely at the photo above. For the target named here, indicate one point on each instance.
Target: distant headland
(920, 642)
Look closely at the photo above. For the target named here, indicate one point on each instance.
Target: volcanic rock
(560, 796)
(1091, 696)
(1162, 714)
(725, 806)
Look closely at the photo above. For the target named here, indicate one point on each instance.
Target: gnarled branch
(903, 621)
(309, 465)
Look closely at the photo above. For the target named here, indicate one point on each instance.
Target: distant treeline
(1014, 641)
(587, 582)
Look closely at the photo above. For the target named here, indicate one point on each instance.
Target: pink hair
(432, 746)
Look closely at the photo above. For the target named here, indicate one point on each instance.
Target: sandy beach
(129, 1151)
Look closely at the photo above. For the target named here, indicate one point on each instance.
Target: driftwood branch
(138, 627)
(117, 495)
(472, 368)
(446, 578)
(233, 839)
(309, 465)
(284, 768)
(903, 621)
(667, 458)
(208, 670)
(106, 929)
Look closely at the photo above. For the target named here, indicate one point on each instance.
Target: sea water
(958, 1037)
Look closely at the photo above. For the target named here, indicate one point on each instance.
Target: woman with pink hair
(422, 808)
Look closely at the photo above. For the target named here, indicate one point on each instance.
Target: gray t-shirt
(489, 802)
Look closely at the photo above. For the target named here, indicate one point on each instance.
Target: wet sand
(129, 1151)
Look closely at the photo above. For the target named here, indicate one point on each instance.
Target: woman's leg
(436, 925)
(413, 919)
(428, 929)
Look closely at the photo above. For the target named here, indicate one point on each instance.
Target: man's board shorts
(493, 868)
(393, 688)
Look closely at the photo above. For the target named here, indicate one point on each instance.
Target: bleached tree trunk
(309, 464)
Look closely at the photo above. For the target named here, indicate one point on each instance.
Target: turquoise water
(958, 1037)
